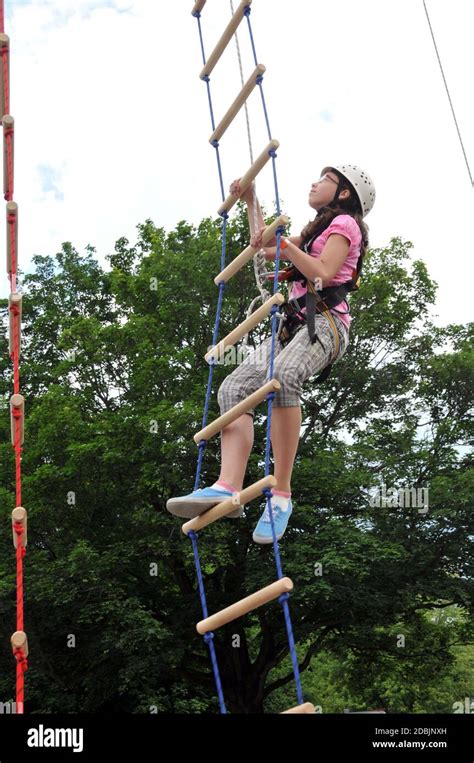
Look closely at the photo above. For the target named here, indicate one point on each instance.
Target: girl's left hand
(256, 239)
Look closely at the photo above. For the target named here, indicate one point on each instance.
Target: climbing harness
(314, 301)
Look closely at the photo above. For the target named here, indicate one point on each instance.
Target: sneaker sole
(193, 507)
(263, 541)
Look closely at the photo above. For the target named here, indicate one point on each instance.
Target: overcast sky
(112, 121)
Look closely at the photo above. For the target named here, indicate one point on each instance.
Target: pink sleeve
(346, 226)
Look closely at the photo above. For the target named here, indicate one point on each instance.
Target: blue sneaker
(263, 530)
(198, 501)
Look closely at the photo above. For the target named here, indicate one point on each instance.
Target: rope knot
(20, 658)
(272, 153)
(208, 637)
(283, 597)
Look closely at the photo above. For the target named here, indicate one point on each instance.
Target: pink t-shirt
(346, 226)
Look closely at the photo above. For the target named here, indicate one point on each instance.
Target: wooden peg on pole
(4, 85)
(20, 516)
(15, 302)
(12, 236)
(8, 138)
(17, 403)
(19, 641)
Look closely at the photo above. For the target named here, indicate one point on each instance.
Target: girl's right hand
(247, 195)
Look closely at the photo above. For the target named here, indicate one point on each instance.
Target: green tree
(113, 373)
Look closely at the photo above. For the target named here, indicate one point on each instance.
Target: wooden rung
(243, 328)
(15, 300)
(242, 258)
(12, 236)
(225, 507)
(8, 124)
(17, 402)
(19, 641)
(242, 607)
(249, 176)
(4, 43)
(198, 6)
(234, 109)
(225, 39)
(19, 515)
(306, 707)
(237, 410)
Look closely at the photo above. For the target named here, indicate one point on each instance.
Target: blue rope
(283, 599)
(209, 636)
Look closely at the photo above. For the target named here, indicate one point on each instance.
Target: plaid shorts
(294, 363)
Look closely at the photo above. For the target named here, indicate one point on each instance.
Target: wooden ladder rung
(247, 254)
(198, 6)
(226, 37)
(19, 515)
(249, 176)
(306, 707)
(228, 504)
(243, 328)
(242, 607)
(237, 410)
(235, 107)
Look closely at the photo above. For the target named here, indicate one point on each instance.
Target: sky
(112, 121)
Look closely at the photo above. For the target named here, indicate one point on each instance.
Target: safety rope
(283, 599)
(15, 319)
(259, 262)
(449, 96)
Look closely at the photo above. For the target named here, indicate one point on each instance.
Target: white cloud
(107, 97)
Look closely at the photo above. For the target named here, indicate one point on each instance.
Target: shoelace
(266, 514)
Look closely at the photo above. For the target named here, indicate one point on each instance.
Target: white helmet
(361, 182)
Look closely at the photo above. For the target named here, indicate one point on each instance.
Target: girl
(328, 253)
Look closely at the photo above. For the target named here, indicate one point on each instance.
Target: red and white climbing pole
(19, 640)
